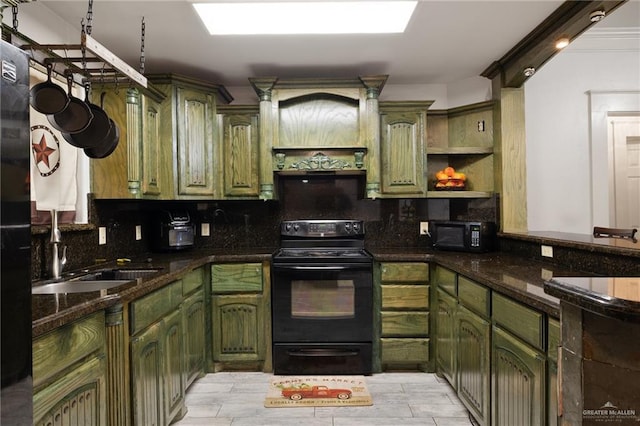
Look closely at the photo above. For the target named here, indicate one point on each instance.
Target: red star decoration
(42, 151)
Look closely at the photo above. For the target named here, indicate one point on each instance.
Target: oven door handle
(321, 352)
(315, 268)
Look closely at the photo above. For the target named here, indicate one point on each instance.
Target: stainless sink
(77, 286)
(118, 274)
(103, 279)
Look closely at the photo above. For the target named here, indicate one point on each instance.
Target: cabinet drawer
(404, 350)
(150, 308)
(522, 321)
(445, 279)
(405, 296)
(474, 296)
(192, 281)
(236, 277)
(405, 271)
(57, 350)
(553, 339)
(405, 324)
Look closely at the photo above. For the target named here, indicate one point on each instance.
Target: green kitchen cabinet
(157, 356)
(194, 324)
(403, 139)
(462, 138)
(188, 135)
(238, 152)
(136, 168)
(69, 374)
(240, 316)
(518, 382)
(474, 361)
(446, 337)
(404, 315)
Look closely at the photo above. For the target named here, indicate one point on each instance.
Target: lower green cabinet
(146, 377)
(446, 335)
(193, 311)
(499, 354)
(518, 382)
(69, 375)
(474, 356)
(240, 315)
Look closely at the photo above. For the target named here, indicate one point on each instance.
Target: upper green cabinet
(238, 127)
(189, 134)
(403, 137)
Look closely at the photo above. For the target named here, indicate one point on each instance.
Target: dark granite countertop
(50, 311)
(516, 277)
(617, 297)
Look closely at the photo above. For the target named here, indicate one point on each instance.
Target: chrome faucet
(57, 262)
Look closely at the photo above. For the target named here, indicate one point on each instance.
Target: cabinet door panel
(518, 382)
(474, 334)
(402, 150)
(194, 334)
(195, 142)
(151, 152)
(146, 377)
(446, 345)
(172, 351)
(240, 155)
(238, 328)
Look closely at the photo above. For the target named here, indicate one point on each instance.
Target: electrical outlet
(138, 232)
(205, 230)
(546, 251)
(102, 235)
(424, 228)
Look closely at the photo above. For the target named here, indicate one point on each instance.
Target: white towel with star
(53, 161)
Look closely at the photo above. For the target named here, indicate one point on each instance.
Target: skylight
(317, 17)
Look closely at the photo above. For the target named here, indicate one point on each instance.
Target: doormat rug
(317, 391)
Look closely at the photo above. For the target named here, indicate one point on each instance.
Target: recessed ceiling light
(562, 42)
(317, 17)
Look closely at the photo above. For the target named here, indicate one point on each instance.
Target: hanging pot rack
(97, 65)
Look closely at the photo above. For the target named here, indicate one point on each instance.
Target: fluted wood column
(134, 129)
(264, 87)
(118, 397)
(374, 86)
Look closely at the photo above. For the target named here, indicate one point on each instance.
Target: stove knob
(347, 227)
(296, 227)
(356, 227)
(287, 227)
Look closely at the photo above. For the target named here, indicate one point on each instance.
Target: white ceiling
(445, 42)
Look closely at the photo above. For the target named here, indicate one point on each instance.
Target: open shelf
(459, 194)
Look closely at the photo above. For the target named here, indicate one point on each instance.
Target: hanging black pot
(75, 117)
(108, 145)
(97, 131)
(47, 97)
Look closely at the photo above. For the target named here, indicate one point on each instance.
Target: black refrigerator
(15, 239)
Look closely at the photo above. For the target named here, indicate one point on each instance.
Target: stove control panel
(322, 228)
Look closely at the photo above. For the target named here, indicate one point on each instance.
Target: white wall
(559, 163)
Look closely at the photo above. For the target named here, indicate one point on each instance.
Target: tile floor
(399, 399)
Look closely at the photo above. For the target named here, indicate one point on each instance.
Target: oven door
(329, 302)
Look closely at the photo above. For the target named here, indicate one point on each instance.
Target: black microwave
(463, 235)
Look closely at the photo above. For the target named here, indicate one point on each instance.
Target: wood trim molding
(569, 20)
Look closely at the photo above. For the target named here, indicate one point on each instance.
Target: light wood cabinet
(404, 315)
(69, 374)
(240, 318)
(403, 137)
(238, 153)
